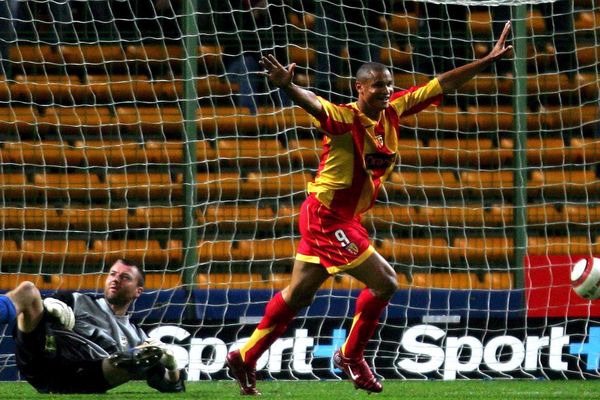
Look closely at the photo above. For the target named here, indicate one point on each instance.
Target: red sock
(272, 325)
(366, 319)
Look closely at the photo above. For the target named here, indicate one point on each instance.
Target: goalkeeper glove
(168, 358)
(60, 311)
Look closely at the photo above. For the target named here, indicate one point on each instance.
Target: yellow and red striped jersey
(358, 152)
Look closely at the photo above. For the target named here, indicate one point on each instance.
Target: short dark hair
(365, 71)
(142, 273)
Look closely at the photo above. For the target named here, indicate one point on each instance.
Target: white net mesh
(142, 130)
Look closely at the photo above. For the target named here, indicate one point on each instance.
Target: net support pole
(189, 110)
(520, 141)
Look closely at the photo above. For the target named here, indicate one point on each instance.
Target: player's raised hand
(279, 75)
(501, 49)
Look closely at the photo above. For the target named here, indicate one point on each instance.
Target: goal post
(144, 130)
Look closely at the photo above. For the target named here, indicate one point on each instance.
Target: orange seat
(480, 23)
(414, 152)
(157, 217)
(43, 252)
(31, 55)
(150, 120)
(32, 218)
(563, 117)
(220, 250)
(9, 255)
(220, 185)
(251, 152)
(484, 182)
(171, 152)
(305, 152)
(145, 186)
(282, 119)
(587, 84)
(111, 153)
(283, 249)
(559, 245)
(582, 214)
(467, 216)
(494, 281)
(577, 182)
(123, 87)
(424, 183)
(96, 56)
(399, 56)
(393, 216)
(544, 151)
(74, 186)
(96, 219)
(21, 120)
(545, 215)
(16, 186)
(234, 217)
(206, 87)
(405, 23)
(162, 281)
(286, 217)
(481, 249)
(475, 152)
(487, 84)
(419, 251)
(48, 88)
(302, 56)
(276, 184)
(584, 150)
(446, 117)
(47, 153)
(587, 55)
(548, 84)
(81, 120)
(144, 252)
(491, 118)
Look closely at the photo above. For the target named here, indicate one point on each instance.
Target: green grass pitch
(317, 390)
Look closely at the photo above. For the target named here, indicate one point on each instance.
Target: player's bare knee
(386, 288)
(26, 296)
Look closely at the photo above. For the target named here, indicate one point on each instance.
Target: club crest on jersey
(379, 140)
(352, 248)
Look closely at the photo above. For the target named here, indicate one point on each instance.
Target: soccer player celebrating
(358, 155)
(79, 343)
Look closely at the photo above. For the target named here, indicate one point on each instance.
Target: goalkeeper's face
(122, 285)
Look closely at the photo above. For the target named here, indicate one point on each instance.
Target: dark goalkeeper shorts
(40, 363)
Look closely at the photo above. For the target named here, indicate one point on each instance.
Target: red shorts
(338, 244)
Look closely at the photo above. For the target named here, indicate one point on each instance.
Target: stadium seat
(465, 216)
(278, 184)
(270, 249)
(545, 215)
(167, 121)
(302, 56)
(584, 214)
(476, 250)
(32, 218)
(94, 57)
(48, 89)
(220, 250)
(396, 55)
(80, 186)
(490, 118)
(393, 216)
(588, 55)
(143, 187)
(237, 217)
(487, 182)
(115, 88)
(283, 119)
(493, 281)
(583, 117)
(145, 252)
(480, 23)
(559, 245)
(548, 84)
(584, 151)
(467, 152)
(69, 252)
(586, 22)
(565, 183)
(445, 117)
(402, 23)
(49, 153)
(251, 153)
(111, 153)
(220, 185)
(21, 120)
(10, 255)
(33, 57)
(546, 151)
(286, 217)
(162, 281)
(81, 121)
(419, 251)
(487, 84)
(305, 153)
(157, 217)
(16, 187)
(210, 86)
(96, 219)
(414, 152)
(431, 184)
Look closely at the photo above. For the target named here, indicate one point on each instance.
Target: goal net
(144, 130)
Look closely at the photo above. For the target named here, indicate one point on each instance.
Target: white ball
(585, 278)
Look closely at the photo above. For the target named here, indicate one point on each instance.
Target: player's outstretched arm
(455, 78)
(281, 77)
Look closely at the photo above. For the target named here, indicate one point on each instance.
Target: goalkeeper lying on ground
(78, 343)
